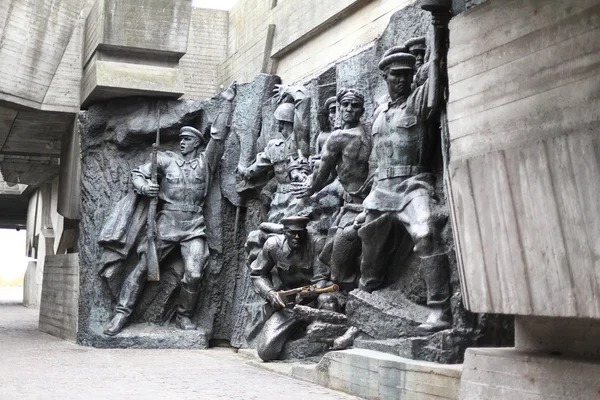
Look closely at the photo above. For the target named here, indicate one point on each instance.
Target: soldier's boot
(439, 318)
(435, 272)
(346, 340)
(116, 324)
(187, 301)
(129, 295)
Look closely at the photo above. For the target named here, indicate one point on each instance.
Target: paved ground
(34, 365)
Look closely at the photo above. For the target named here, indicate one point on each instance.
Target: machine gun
(306, 291)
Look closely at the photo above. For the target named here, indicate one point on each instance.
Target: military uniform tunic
(278, 155)
(403, 148)
(183, 188)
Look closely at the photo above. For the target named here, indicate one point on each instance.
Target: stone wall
(524, 130)
(60, 296)
(207, 48)
(40, 60)
(295, 40)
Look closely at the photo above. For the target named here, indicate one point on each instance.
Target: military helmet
(285, 112)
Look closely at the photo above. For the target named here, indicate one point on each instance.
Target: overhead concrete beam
(32, 45)
(133, 49)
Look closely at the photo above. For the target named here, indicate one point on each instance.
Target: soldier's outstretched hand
(302, 189)
(230, 92)
(282, 94)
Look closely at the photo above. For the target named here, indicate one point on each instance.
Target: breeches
(380, 234)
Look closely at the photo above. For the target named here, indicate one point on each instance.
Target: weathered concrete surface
(513, 374)
(374, 375)
(62, 370)
(567, 336)
(34, 42)
(524, 161)
(308, 36)
(69, 190)
(60, 296)
(207, 48)
(30, 287)
(371, 374)
(133, 49)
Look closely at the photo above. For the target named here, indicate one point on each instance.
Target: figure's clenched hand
(275, 299)
(151, 190)
(360, 220)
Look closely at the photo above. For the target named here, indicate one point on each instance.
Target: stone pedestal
(553, 358)
(374, 375)
(514, 374)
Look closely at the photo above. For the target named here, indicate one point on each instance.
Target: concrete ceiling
(13, 205)
(32, 132)
(30, 143)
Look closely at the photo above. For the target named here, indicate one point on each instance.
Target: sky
(218, 4)
(13, 261)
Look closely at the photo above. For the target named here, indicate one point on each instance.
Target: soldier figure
(403, 187)
(345, 155)
(292, 257)
(326, 122)
(417, 46)
(185, 181)
(290, 151)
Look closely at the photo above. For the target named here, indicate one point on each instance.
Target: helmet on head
(285, 112)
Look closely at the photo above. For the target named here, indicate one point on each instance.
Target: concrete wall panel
(524, 121)
(511, 374)
(32, 46)
(308, 36)
(60, 296)
(207, 48)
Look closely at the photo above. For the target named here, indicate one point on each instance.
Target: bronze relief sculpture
(180, 222)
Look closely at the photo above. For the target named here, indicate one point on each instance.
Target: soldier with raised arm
(403, 189)
(346, 155)
(286, 156)
(182, 192)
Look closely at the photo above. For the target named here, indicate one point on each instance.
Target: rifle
(152, 256)
(304, 291)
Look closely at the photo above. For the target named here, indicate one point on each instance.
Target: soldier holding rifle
(293, 258)
(182, 192)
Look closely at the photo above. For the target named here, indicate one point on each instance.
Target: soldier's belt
(353, 207)
(399, 170)
(284, 188)
(352, 198)
(181, 207)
